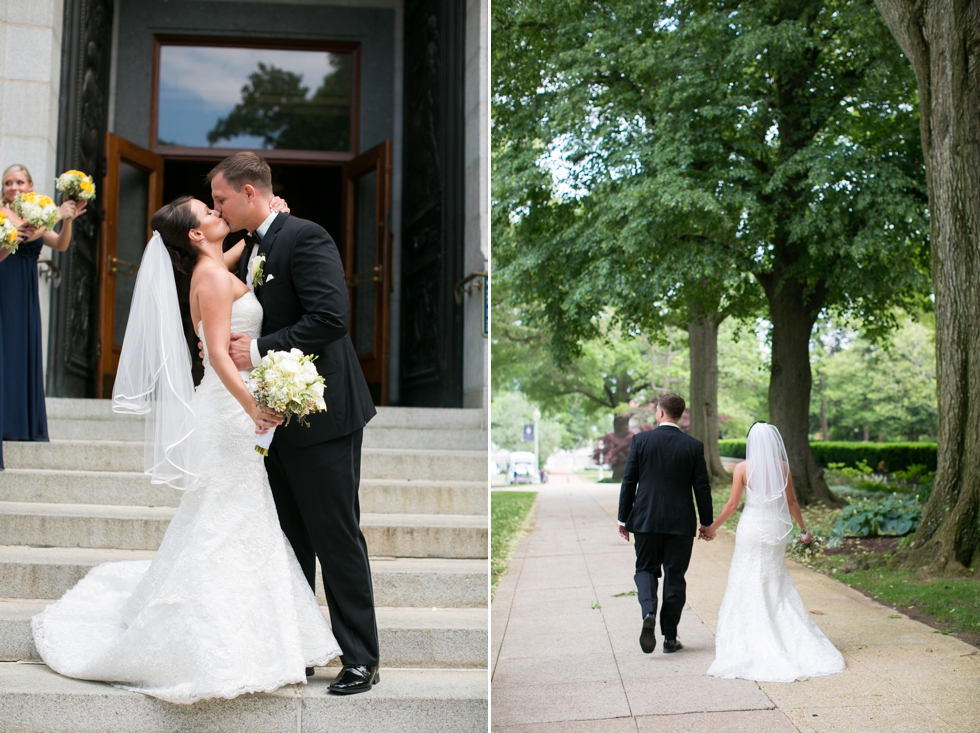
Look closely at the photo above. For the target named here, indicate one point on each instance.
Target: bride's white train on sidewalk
(223, 608)
(764, 631)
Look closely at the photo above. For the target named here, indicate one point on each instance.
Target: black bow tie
(252, 239)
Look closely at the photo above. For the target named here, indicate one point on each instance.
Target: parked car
(523, 468)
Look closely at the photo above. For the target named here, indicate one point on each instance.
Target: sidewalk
(558, 664)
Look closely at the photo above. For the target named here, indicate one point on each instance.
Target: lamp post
(536, 416)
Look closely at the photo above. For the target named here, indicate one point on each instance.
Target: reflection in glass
(134, 196)
(254, 98)
(365, 248)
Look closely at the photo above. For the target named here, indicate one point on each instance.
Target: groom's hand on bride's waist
(240, 350)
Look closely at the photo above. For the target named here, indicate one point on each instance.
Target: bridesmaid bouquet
(36, 209)
(8, 234)
(287, 382)
(75, 186)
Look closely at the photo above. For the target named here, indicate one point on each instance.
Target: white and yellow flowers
(36, 209)
(76, 186)
(258, 274)
(8, 234)
(287, 381)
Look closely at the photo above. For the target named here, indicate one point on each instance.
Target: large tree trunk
(621, 427)
(703, 341)
(939, 37)
(790, 382)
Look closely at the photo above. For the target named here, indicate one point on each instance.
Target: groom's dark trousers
(665, 473)
(315, 471)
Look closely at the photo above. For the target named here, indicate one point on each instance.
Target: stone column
(477, 205)
(30, 73)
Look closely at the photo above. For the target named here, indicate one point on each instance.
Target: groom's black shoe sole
(648, 639)
(310, 671)
(672, 646)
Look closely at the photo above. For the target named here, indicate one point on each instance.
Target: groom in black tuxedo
(656, 504)
(314, 471)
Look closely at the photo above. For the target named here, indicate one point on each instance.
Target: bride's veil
(767, 473)
(154, 375)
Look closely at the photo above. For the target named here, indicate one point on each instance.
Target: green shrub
(869, 518)
(732, 448)
(896, 456)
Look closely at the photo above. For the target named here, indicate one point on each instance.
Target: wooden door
(132, 191)
(367, 256)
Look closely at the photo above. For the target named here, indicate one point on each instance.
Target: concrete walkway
(565, 655)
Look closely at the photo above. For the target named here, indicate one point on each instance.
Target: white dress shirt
(260, 233)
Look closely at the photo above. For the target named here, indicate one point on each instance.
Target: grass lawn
(509, 512)
(949, 604)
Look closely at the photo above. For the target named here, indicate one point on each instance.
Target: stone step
(87, 455)
(142, 528)
(374, 437)
(392, 496)
(408, 637)
(47, 572)
(33, 699)
(415, 418)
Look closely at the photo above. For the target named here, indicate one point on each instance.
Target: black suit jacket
(663, 466)
(307, 307)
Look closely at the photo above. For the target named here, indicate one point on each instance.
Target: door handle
(372, 275)
(467, 284)
(128, 268)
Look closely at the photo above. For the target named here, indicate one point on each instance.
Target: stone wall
(477, 177)
(30, 73)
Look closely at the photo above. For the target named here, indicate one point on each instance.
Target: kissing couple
(764, 632)
(227, 604)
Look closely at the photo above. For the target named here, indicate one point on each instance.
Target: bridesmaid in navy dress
(3, 255)
(23, 413)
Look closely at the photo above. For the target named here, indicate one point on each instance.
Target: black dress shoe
(310, 671)
(648, 639)
(672, 645)
(355, 678)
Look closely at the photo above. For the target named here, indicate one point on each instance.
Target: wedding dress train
(764, 631)
(223, 608)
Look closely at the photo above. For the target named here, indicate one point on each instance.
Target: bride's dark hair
(174, 221)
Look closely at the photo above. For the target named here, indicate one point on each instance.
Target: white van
(523, 468)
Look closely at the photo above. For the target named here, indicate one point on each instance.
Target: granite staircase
(82, 499)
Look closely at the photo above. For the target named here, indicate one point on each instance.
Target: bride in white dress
(764, 631)
(223, 608)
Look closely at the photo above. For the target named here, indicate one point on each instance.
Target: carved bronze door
(132, 190)
(366, 252)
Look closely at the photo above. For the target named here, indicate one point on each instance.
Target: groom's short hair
(673, 405)
(244, 167)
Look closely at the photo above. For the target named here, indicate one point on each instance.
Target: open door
(366, 252)
(131, 191)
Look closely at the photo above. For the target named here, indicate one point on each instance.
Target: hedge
(897, 456)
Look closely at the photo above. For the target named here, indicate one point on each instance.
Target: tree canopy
(652, 155)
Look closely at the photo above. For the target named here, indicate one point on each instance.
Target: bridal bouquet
(75, 186)
(8, 234)
(36, 209)
(287, 382)
(806, 553)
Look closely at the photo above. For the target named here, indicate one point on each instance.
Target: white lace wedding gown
(764, 631)
(223, 608)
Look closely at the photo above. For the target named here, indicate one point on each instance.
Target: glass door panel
(367, 261)
(132, 190)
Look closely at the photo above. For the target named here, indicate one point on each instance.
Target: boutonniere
(258, 271)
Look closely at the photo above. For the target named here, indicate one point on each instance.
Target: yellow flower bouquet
(36, 209)
(75, 186)
(9, 237)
